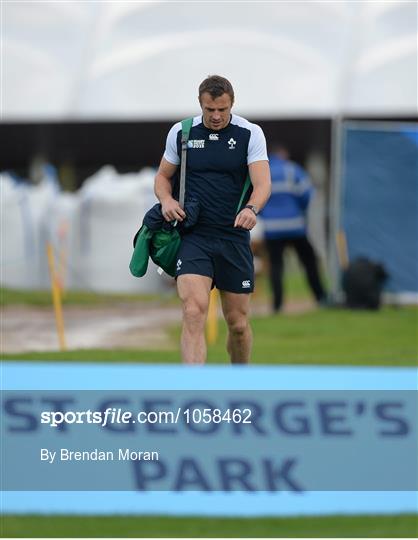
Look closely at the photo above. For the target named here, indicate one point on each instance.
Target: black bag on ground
(363, 283)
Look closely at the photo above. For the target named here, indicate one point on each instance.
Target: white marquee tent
(144, 60)
(135, 60)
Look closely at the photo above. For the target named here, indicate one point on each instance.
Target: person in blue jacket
(284, 221)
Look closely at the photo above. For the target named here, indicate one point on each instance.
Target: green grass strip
(295, 286)
(324, 337)
(161, 526)
(15, 297)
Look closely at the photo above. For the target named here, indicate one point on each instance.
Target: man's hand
(246, 219)
(171, 210)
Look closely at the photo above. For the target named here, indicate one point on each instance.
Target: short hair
(216, 86)
(277, 147)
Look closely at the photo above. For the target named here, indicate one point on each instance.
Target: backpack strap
(244, 191)
(186, 126)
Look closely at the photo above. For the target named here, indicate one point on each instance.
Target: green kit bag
(161, 245)
(139, 261)
(164, 248)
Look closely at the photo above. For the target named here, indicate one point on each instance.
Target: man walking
(222, 150)
(284, 221)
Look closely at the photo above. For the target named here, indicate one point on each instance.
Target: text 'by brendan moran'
(121, 454)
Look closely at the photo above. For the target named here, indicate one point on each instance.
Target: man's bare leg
(236, 308)
(194, 293)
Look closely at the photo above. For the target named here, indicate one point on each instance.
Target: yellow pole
(56, 297)
(62, 270)
(212, 322)
(342, 250)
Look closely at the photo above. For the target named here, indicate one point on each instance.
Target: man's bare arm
(170, 208)
(261, 181)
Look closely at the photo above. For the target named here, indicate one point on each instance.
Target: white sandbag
(23, 254)
(111, 208)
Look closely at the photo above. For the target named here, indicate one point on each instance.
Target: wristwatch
(252, 207)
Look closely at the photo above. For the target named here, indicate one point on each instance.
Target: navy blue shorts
(228, 263)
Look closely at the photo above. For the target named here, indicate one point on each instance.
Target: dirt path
(27, 328)
(126, 326)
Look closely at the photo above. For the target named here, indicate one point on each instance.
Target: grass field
(329, 337)
(295, 288)
(326, 336)
(405, 526)
(13, 297)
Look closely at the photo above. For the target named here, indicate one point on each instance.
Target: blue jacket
(285, 212)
